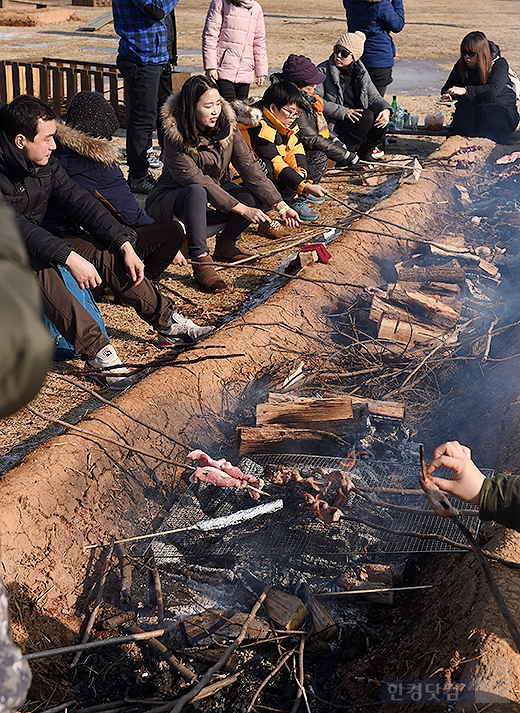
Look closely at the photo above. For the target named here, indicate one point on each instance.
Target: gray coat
(364, 90)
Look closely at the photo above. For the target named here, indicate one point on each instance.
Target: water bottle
(406, 118)
(399, 118)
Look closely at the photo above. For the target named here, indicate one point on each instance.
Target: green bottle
(394, 105)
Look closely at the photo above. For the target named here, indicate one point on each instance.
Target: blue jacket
(376, 18)
(93, 163)
(143, 40)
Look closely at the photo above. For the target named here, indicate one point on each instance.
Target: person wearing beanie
(354, 109)
(376, 19)
(320, 144)
(86, 152)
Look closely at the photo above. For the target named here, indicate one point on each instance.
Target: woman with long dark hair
(201, 140)
(485, 94)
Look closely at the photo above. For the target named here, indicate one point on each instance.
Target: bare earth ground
(431, 32)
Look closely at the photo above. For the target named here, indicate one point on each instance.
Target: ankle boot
(227, 251)
(206, 276)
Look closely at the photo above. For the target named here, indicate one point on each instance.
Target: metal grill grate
(293, 538)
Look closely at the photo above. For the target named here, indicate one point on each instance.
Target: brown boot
(227, 251)
(207, 277)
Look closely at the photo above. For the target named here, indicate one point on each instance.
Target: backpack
(62, 348)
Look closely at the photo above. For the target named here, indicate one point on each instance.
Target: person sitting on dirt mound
(269, 131)
(86, 152)
(354, 109)
(320, 144)
(484, 91)
(30, 178)
(498, 498)
(201, 140)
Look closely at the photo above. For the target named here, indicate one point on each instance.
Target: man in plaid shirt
(143, 53)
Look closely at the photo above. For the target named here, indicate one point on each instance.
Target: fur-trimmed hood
(103, 151)
(171, 128)
(247, 114)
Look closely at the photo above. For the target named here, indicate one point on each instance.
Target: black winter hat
(91, 113)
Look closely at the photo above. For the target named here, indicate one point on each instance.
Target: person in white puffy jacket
(234, 48)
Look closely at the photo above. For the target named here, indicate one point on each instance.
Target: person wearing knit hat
(353, 107)
(89, 156)
(376, 19)
(320, 144)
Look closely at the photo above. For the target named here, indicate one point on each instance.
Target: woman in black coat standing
(485, 94)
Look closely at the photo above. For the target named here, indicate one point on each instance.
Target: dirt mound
(35, 18)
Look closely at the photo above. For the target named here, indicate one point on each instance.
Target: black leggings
(157, 245)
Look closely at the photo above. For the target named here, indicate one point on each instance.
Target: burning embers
(325, 492)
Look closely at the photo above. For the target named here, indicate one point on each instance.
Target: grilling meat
(222, 473)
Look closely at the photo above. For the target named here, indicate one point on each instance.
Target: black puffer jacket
(29, 189)
(308, 134)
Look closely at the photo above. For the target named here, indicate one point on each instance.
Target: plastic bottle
(399, 118)
(406, 117)
(394, 106)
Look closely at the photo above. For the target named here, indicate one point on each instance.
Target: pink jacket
(233, 41)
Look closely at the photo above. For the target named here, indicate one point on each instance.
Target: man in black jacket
(30, 178)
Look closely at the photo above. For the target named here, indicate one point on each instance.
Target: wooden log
(324, 628)
(392, 409)
(287, 610)
(401, 331)
(292, 440)
(437, 273)
(201, 626)
(442, 312)
(319, 413)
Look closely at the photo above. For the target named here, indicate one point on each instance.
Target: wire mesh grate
(293, 536)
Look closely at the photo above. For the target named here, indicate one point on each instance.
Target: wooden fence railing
(56, 81)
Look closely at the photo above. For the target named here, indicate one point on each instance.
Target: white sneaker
(153, 160)
(117, 379)
(181, 332)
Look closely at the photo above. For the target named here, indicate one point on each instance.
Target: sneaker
(105, 359)
(315, 200)
(274, 230)
(350, 159)
(153, 160)
(181, 332)
(377, 153)
(304, 211)
(142, 185)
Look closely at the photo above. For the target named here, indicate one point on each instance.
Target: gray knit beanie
(354, 42)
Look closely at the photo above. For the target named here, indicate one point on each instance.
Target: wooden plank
(394, 329)
(178, 79)
(437, 273)
(376, 407)
(287, 610)
(292, 440)
(442, 312)
(314, 411)
(96, 23)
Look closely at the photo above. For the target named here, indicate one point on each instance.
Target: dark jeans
(381, 77)
(231, 90)
(142, 85)
(74, 322)
(360, 136)
(189, 204)
(157, 245)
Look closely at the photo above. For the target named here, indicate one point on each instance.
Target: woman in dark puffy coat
(376, 19)
(485, 94)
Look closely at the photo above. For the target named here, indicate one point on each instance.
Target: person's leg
(242, 91)
(493, 122)
(317, 163)
(157, 245)
(145, 298)
(165, 89)
(227, 89)
(352, 133)
(70, 318)
(142, 86)
(372, 139)
(381, 77)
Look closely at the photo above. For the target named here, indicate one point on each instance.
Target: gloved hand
(153, 12)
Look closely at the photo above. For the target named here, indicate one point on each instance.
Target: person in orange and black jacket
(269, 131)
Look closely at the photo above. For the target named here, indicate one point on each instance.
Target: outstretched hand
(466, 481)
